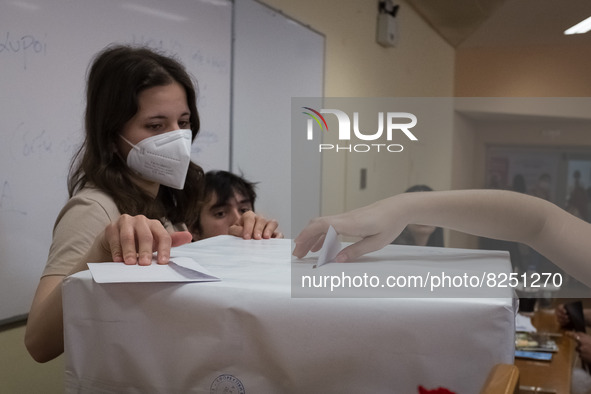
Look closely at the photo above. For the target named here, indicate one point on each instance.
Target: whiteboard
(275, 58)
(45, 49)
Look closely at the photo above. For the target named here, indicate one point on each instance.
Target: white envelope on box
(179, 269)
(247, 334)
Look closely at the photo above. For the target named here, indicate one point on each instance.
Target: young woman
(132, 185)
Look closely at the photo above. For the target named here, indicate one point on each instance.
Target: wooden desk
(556, 374)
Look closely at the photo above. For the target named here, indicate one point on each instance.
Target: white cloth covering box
(248, 334)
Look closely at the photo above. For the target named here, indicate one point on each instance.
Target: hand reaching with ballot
(372, 223)
(556, 234)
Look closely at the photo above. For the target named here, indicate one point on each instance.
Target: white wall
(421, 64)
(355, 66)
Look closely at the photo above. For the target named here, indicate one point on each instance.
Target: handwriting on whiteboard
(26, 46)
(172, 46)
(29, 142)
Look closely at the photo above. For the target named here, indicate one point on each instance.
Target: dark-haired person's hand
(253, 226)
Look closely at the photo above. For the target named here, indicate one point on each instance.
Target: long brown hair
(116, 77)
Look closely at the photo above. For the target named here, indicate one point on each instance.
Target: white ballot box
(264, 328)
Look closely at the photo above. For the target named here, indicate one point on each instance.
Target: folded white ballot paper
(330, 248)
(179, 269)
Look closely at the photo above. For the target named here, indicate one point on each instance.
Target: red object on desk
(439, 390)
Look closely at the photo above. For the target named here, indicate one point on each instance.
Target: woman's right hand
(130, 239)
(133, 240)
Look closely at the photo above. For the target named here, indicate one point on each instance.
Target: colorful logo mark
(318, 115)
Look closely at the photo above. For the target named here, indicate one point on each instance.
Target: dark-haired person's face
(217, 217)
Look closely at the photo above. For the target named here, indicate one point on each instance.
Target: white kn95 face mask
(162, 158)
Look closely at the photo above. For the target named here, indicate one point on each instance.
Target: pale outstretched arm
(553, 232)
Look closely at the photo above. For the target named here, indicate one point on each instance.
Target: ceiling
(489, 23)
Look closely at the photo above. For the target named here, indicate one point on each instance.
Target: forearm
(553, 232)
(556, 234)
(44, 336)
(490, 213)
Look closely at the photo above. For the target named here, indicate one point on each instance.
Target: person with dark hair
(419, 234)
(226, 197)
(132, 184)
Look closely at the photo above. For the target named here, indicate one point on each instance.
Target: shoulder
(89, 211)
(92, 199)
(94, 195)
(80, 221)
